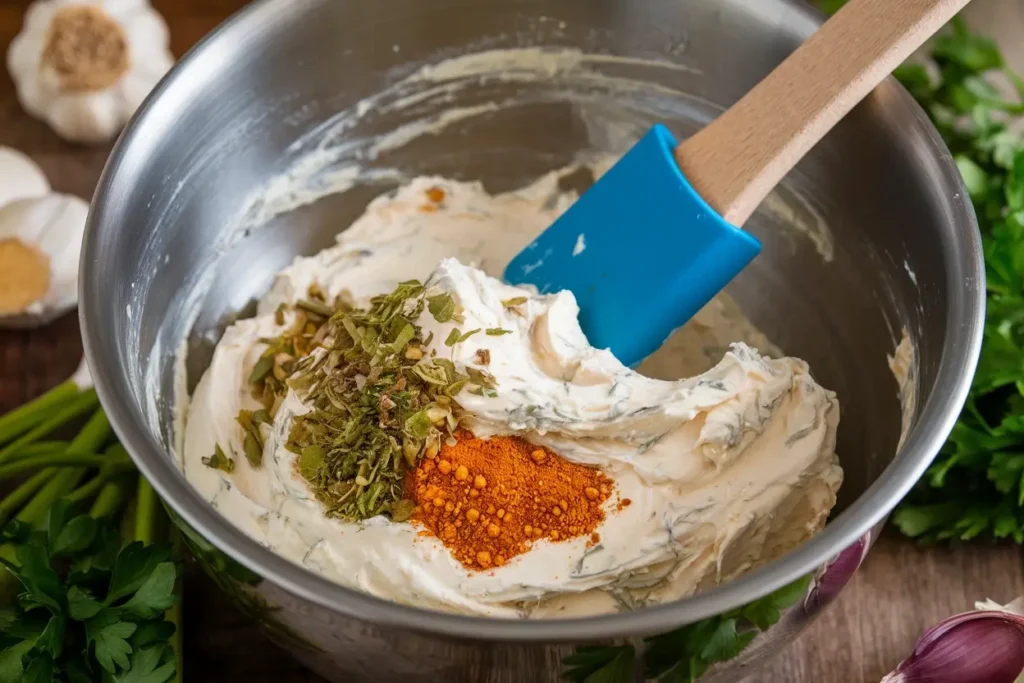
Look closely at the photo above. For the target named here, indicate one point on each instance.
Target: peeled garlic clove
(40, 244)
(20, 177)
(974, 647)
(85, 67)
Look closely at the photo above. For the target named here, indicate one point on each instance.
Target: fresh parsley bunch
(90, 609)
(86, 595)
(975, 488)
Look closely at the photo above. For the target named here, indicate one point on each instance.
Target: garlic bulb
(84, 67)
(20, 177)
(40, 243)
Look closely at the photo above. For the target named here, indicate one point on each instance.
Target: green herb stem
(26, 417)
(41, 448)
(63, 460)
(64, 413)
(146, 511)
(174, 614)
(89, 489)
(13, 501)
(94, 434)
(110, 498)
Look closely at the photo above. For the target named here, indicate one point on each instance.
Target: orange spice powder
(488, 500)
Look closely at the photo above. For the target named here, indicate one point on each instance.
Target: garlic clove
(973, 647)
(20, 177)
(38, 15)
(82, 118)
(147, 33)
(148, 37)
(136, 86)
(40, 245)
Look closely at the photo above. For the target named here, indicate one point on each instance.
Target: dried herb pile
(380, 398)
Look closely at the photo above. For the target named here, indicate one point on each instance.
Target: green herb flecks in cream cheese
(728, 463)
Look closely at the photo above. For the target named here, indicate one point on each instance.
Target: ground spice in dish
(24, 275)
(489, 500)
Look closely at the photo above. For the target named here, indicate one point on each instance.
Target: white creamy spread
(725, 470)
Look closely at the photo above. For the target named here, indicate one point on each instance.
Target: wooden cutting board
(900, 591)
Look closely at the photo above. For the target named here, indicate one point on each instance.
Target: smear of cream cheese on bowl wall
(724, 469)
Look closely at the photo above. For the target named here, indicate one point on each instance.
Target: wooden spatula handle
(736, 160)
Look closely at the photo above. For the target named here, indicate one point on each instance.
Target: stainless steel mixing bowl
(185, 232)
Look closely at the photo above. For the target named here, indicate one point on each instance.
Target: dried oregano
(378, 399)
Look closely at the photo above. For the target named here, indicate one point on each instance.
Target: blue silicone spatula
(659, 234)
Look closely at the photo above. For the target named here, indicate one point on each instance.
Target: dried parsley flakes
(219, 461)
(378, 400)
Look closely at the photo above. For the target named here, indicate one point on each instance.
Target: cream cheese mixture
(725, 469)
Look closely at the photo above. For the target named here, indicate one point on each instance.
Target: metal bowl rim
(937, 416)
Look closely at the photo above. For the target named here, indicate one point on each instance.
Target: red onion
(983, 646)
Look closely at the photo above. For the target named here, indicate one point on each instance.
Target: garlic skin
(85, 67)
(20, 177)
(83, 376)
(40, 245)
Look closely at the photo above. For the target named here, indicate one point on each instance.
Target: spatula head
(640, 250)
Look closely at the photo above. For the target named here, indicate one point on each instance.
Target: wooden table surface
(900, 591)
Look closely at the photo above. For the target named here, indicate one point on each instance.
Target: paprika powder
(489, 500)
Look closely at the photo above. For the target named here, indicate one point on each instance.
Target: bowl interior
(273, 136)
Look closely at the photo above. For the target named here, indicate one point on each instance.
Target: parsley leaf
(152, 632)
(42, 585)
(135, 564)
(11, 661)
(51, 639)
(154, 664)
(109, 635)
(601, 664)
(75, 536)
(725, 641)
(81, 604)
(156, 595)
(40, 670)
(99, 559)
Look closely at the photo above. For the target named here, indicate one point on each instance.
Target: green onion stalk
(91, 471)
